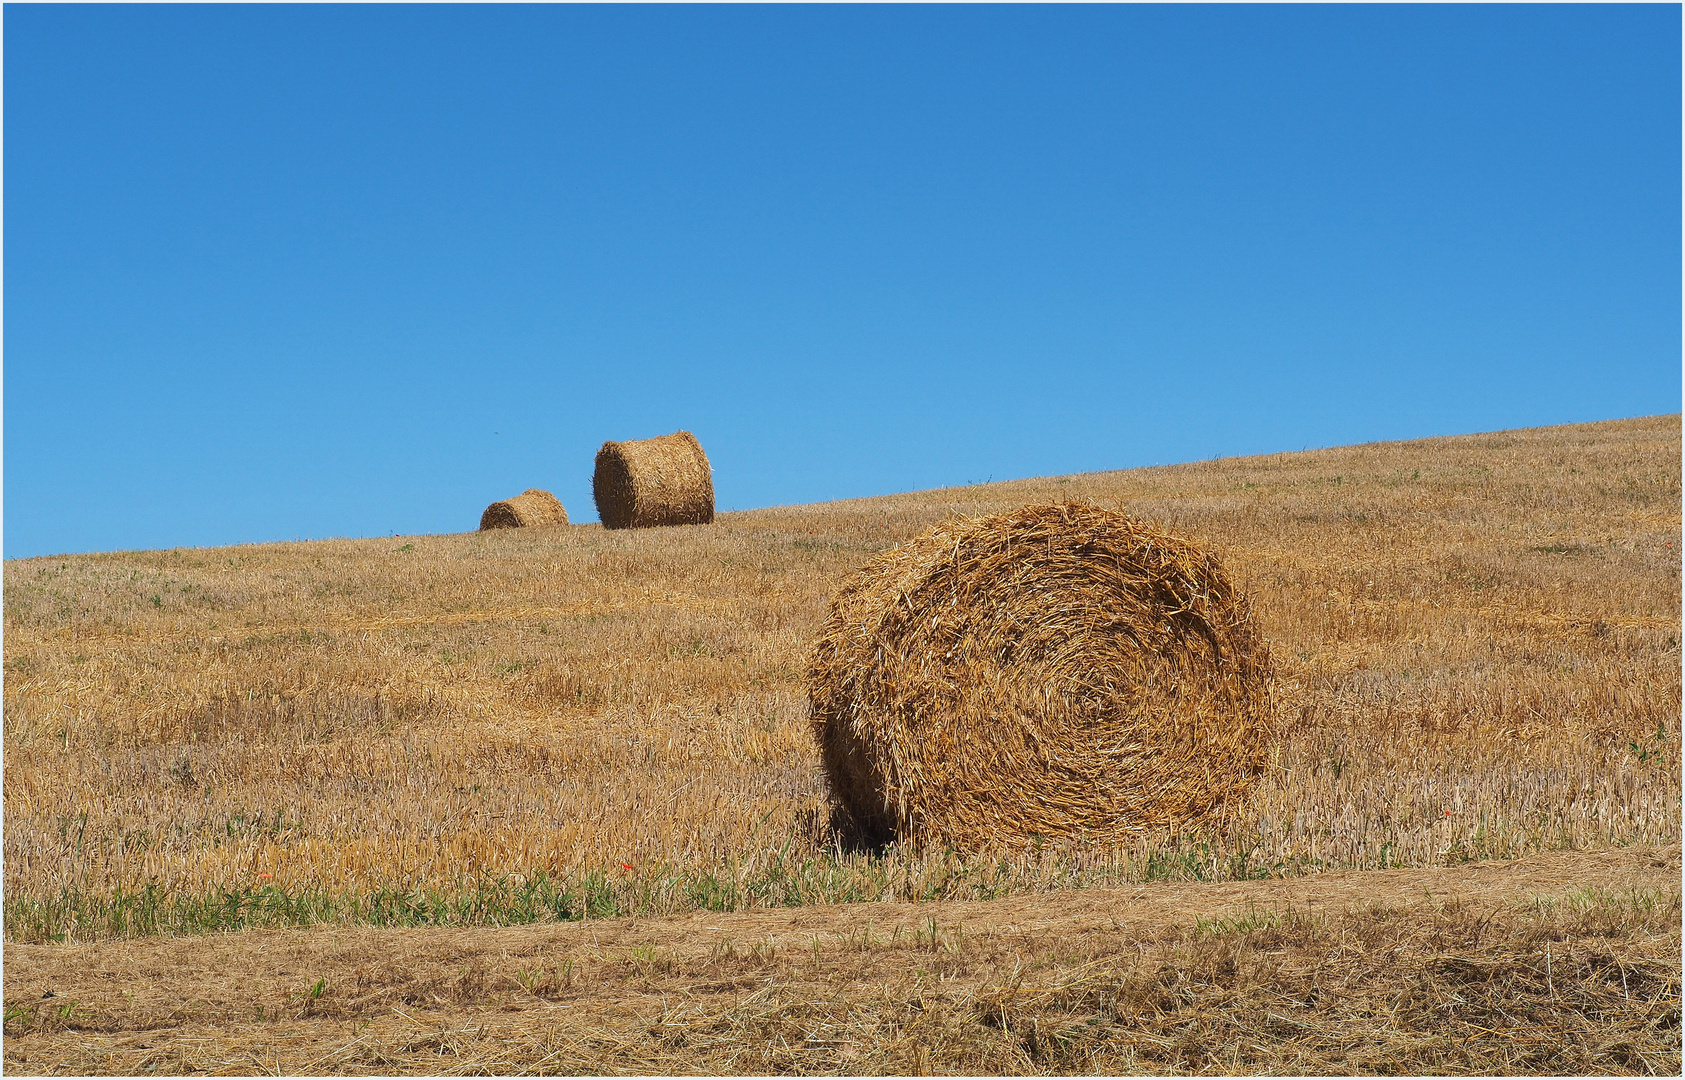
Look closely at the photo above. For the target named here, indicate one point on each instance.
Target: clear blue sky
(300, 271)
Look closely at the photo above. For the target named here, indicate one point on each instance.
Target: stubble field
(1477, 644)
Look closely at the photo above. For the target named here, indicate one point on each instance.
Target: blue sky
(301, 271)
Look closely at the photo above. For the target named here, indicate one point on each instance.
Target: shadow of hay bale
(530, 507)
(648, 482)
(1054, 672)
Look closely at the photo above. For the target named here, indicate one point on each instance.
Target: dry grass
(1058, 671)
(1494, 968)
(1477, 643)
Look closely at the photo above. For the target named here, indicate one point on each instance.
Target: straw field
(1476, 643)
(1558, 964)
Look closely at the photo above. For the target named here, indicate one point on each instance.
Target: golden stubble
(1476, 642)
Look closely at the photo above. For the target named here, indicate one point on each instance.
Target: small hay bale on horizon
(642, 483)
(1058, 672)
(531, 507)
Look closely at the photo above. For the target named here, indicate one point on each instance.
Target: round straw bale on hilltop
(530, 507)
(660, 481)
(1055, 672)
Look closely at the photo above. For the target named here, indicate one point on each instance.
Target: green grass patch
(767, 879)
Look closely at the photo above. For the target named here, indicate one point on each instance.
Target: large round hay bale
(660, 481)
(1054, 672)
(530, 507)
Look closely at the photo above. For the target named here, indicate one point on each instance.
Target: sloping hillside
(1477, 639)
(1478, 648)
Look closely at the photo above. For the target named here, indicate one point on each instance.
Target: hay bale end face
(1057, 672)
(648, 482)
(530, 507)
